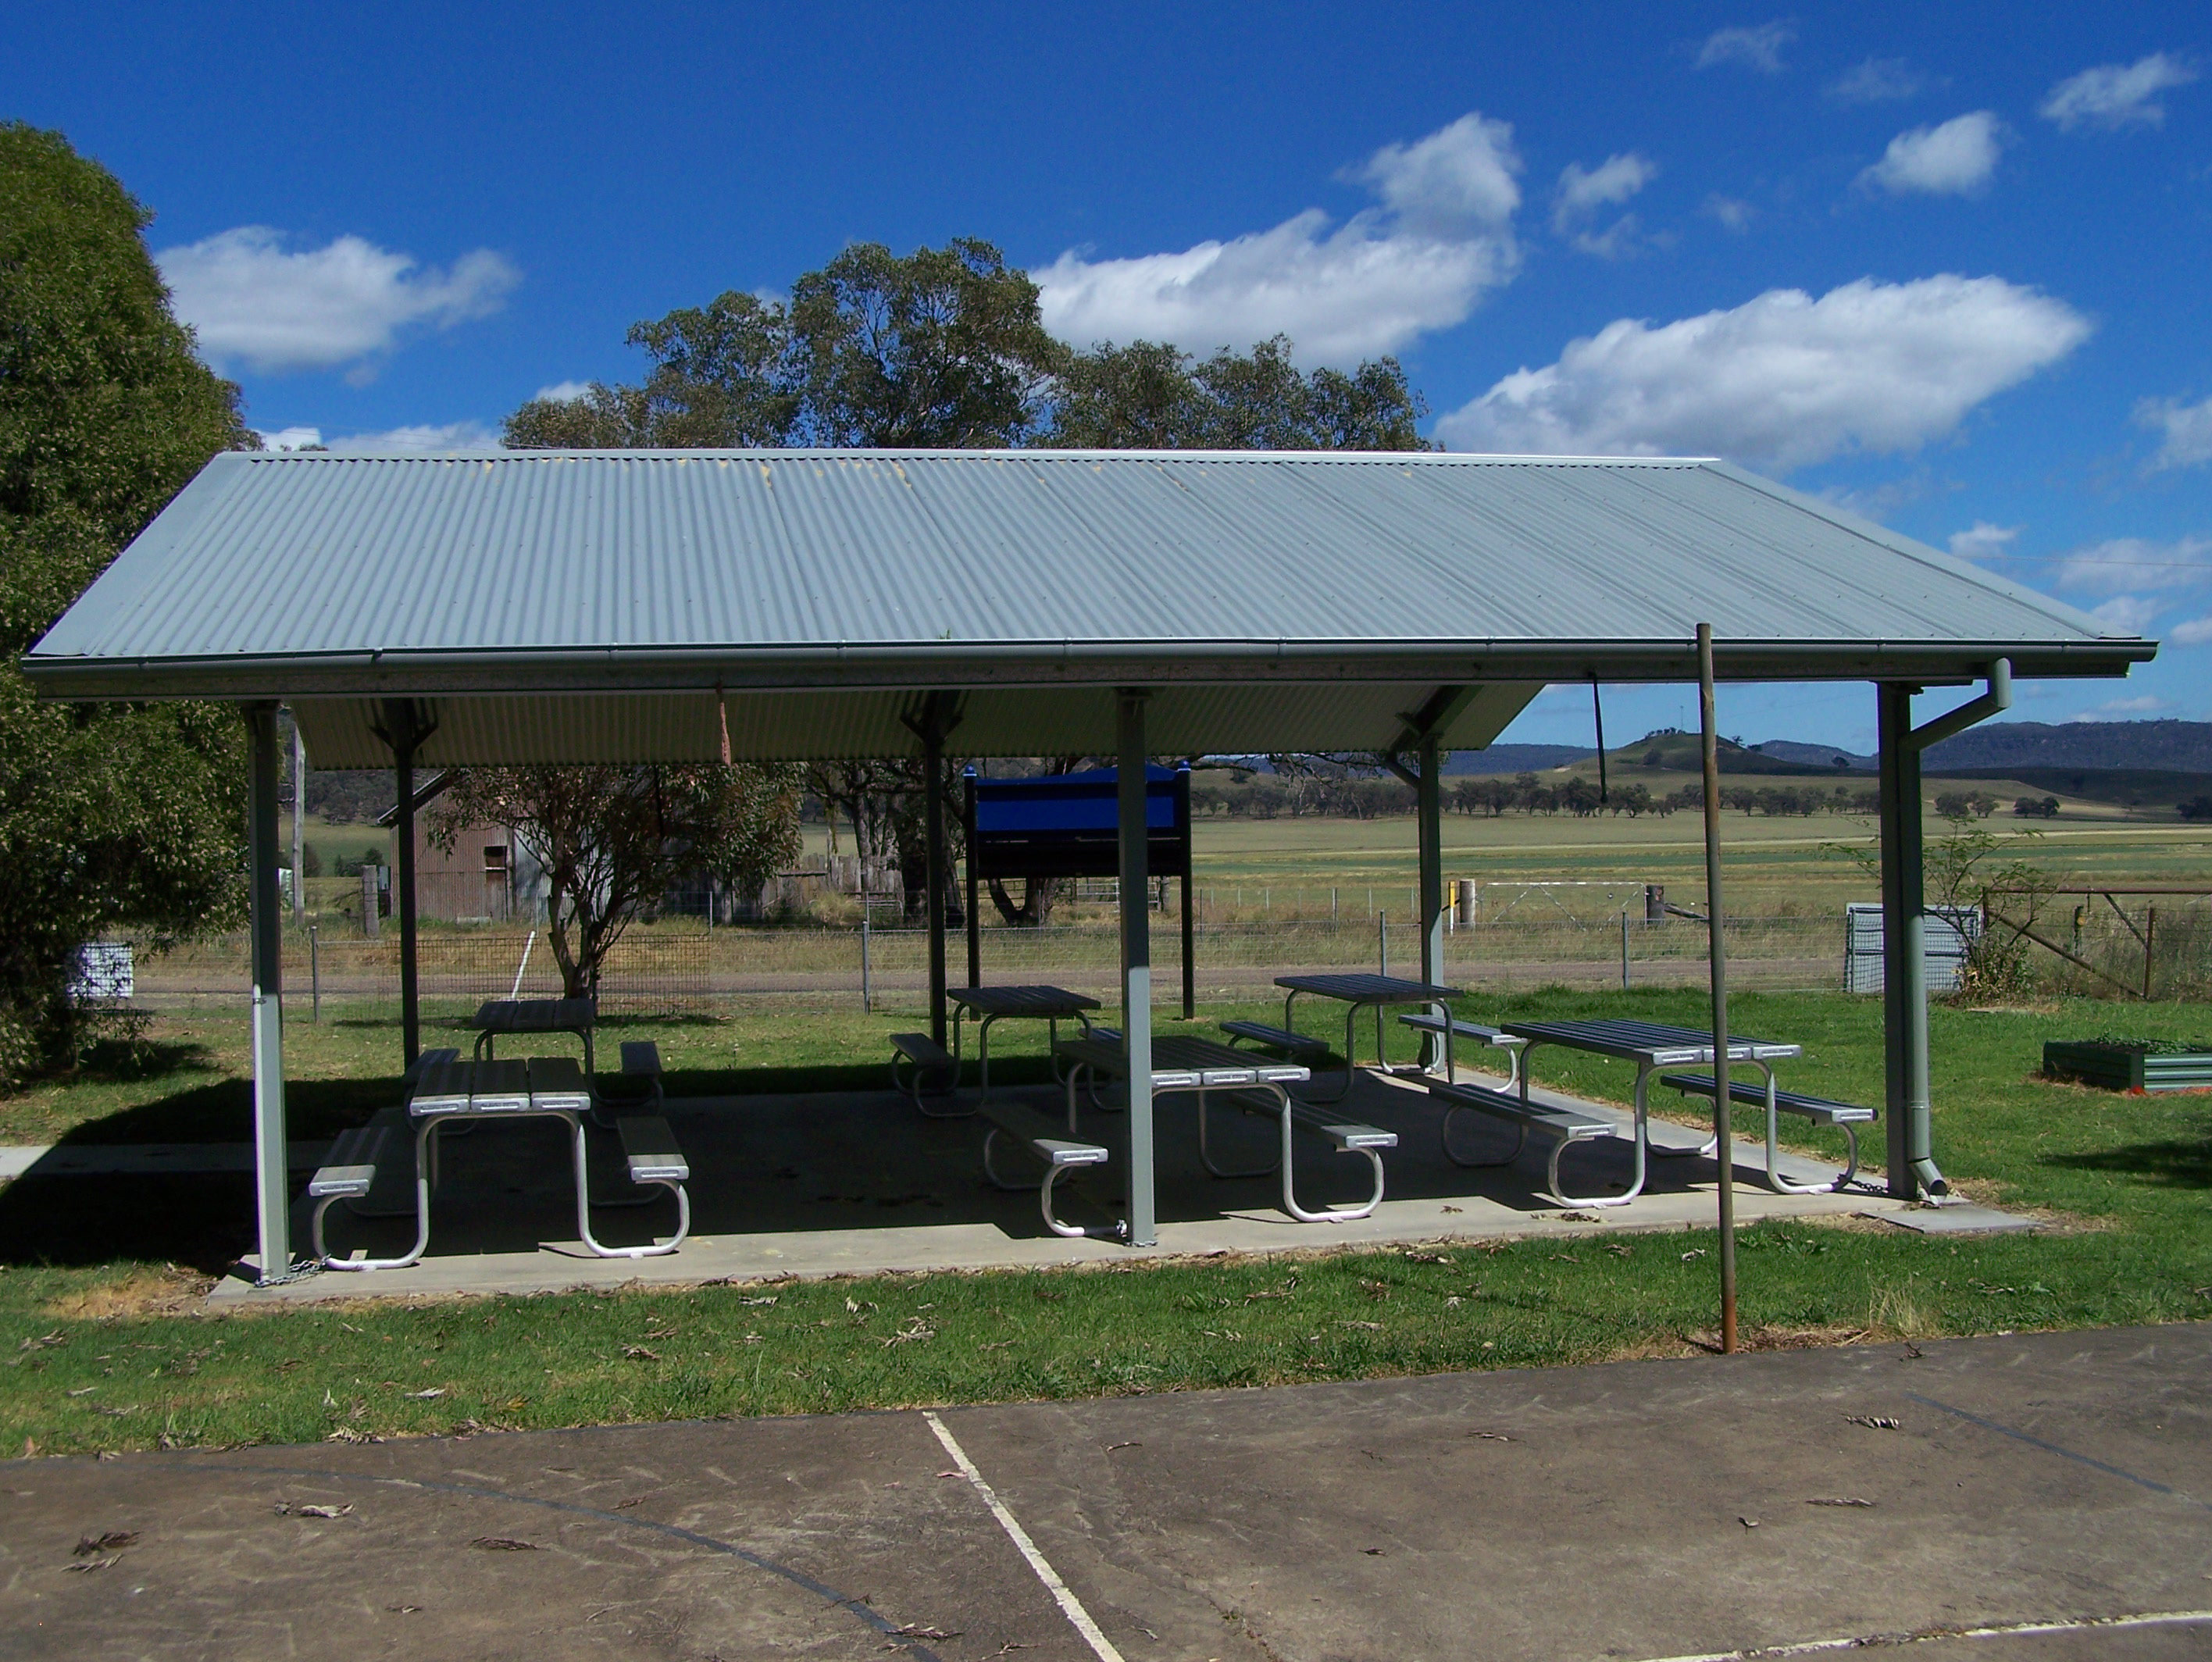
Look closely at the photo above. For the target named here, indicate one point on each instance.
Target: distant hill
(1814, 756)
(1516, 758)
(2166, 746)
(2173, 747)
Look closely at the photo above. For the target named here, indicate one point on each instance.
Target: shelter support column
(974, 911)
(401, 731)
(1904, 945)
(1190, 913)
(932, 799)
(1429, 802)
(1135, 886)
(271, 1174)
(1912, 1172)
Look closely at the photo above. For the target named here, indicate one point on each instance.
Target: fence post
(315, 973)
(868, 989)
(1623, 949)
(2151, 934)
(1382, 943)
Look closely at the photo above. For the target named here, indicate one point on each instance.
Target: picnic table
(1358, 991)
(989, 1004)
(544, 1087)
(1651, 1045)
(534, 1016)
(1181, 1063)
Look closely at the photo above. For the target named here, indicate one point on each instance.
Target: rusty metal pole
(1722, 1130)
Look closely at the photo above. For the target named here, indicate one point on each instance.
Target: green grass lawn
(107, 1346)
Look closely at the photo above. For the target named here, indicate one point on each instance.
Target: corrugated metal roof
(765, 572)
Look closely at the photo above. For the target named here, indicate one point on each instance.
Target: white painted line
(1993, 1630)
(1070, 1606)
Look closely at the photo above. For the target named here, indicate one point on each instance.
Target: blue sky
(1946, 265)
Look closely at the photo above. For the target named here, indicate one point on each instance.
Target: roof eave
(875, 666)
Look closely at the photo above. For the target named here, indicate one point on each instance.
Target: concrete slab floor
(1636, 1510)
(858, 1183)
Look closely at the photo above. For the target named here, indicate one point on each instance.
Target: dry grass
(150, 1290)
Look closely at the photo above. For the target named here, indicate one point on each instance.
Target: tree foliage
(947, 348)
(613, 840)
(1145, 396)
(111, 817)
(942, 349)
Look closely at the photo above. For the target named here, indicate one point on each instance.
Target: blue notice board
(1067, 825)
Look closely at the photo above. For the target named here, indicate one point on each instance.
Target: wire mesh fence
(666, 968)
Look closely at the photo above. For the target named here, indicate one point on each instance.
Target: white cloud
(1582, 194)
(2188, 429)
(1733, 214)
(1878, 80)
(1782, 380)
(1759, 48)
(256, 303)
(562, 392)
(2115, 95)
(2135, 562)
(1955, 159)
(1609, 184)
(1443, 235)
(440, 436)
(1983, 541)
(1459, 180)
(292, 438)
(2147, 704)
(2194, 632)
(2126, 613)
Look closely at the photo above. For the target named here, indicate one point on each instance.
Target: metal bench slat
(1563, 1122)
(1821, 1109)
(1044, 1135)
(649, 1145)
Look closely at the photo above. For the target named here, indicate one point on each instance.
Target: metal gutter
(899, 665)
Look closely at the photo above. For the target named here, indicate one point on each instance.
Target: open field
(99, 1311)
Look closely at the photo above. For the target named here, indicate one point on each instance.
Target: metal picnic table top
(542, 1084)
(1184, 1062)
(534, 1016)
(1652, 1044)
(1360, 988)
(1039, 1001)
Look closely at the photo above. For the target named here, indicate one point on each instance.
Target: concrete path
(2038, 1497)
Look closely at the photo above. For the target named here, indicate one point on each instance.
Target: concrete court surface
(1600, 1512)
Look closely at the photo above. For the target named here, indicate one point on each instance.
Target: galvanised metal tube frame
(1913, 1174)
(1135, 885)
(271, 1172)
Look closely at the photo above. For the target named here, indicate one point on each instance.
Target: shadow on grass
(2176, 1162)
(222, 1111)
(199, 1223)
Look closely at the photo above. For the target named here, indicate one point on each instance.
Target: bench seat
(1348, 1135)
(637, 1087)
(1053, 1146)
(1565, 1127)
(348, 1172)
(1821, 1110)
(919, 1061)
(1275, 1038)
(650, 1149)
(1512, 1044)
